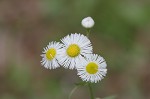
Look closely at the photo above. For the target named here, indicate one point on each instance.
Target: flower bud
(87, 22)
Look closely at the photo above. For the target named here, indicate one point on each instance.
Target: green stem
(88, 33)
(91, 91)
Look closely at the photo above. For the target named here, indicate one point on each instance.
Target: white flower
(87, 22)
(92, 69)
(75, 47)
(51, 55)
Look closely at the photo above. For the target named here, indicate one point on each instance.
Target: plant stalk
(91, 91)
(88, 33)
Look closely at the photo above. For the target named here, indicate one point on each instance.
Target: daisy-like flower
(92, 69)
(88, 22)
(51, 55)
(75, 47)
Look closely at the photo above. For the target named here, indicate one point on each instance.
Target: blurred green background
(121, 35)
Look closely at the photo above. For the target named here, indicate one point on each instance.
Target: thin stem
(88, 33)
(91, 91)
(73, 90)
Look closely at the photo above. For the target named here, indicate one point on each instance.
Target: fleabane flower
(88, 22)
(92, 69)
(51, 55)
(75, 47)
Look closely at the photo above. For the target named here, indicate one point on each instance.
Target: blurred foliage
(110, 97)
(121, 35)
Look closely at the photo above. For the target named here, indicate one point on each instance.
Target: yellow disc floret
(50, 54)
(73, 50)
(92, 68)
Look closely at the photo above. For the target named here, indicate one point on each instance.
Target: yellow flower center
(73, 50)
(92, 68)
(50, 54)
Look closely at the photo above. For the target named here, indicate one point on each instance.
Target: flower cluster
(75, 52)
